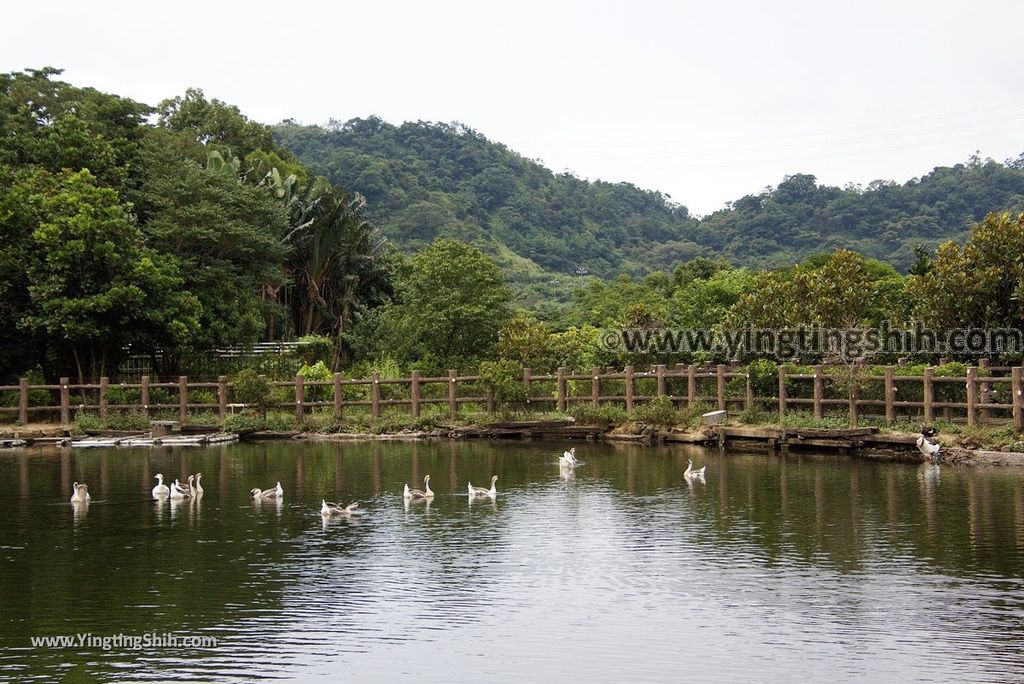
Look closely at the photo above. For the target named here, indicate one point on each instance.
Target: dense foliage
(425, 180)
(200, 229)
(119, 236)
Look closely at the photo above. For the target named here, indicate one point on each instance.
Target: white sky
(706, 101)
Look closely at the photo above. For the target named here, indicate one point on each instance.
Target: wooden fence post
(749, 403)
(890, 395)
(453, 404)
(1017, 392)
(144, 393)
(782, 394)
(182, 398)
(854, 392)
(222, 396)
(562, 401)
(490, 401)
(595, 386)
(526, 386)
(972, 396)
(65, 401)
(659, 372)
(23, 401)
(300, 396)
(629, 388)
(720, 391)
(819, 391)
(104, 384)
(928, 391)
(337, 396)
(691, 385)
(986, 393)
(375, 395)
(414, 393)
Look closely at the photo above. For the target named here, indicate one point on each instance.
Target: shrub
(85, 421)
(659, 411)
(505, 379)
(316, 350)
(318, 372)
(588, 414)
(254, 389)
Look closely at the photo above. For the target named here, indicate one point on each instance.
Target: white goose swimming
(80, 493)
(264, 494)
(569, 458)
(179, 491)
(198, 488)
(161, 490)
(418, 494)
(330, 510)
(480, 491)
(691, 474)
(927, 444)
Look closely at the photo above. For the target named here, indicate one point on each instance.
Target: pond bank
(868, 443)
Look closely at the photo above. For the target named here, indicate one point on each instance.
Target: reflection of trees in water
(145, 565)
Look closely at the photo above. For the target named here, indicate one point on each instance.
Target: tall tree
(979, 284)
(94, 285)
(339, 266)
(452, 305)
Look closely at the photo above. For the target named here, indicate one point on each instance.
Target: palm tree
(336, 268)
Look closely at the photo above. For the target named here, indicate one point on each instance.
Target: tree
(338, 267)
(226, 234)
(451, 306)
(837, 290)
(94, 286)
(526, 341)
(980, 284)
(217, 123)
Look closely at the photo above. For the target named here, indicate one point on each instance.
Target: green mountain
(425, 180)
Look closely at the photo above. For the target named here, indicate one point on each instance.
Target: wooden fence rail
(723, 387)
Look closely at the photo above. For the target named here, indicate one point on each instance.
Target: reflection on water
(770, 569)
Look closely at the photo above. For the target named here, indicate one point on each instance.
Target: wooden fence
(723, 386)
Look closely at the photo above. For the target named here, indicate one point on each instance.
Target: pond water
(775, 569)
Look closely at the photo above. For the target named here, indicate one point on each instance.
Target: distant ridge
(425, 180)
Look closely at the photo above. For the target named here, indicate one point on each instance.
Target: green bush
(316, 350)
(659, 411)
(505, 379)
(690, 416)
(203, 396)
(318, 372)
(127, 420)
(118, 395)
(85, 421)
(255, 390)
(162, 395)
(588, 414)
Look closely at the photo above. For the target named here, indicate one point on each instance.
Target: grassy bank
(661, 414)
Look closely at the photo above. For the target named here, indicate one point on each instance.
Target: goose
(569, 458)
(179, 492)
(691, 474)
(417, 494)
(329, 510)
(263, 494)
(198, 489)
(927, 444)
(480, 491)
(161, 490)
(80, 493)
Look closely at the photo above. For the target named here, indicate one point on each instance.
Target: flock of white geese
(193, 488)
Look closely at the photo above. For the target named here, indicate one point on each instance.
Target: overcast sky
(705, 101)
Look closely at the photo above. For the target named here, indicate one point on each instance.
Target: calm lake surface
(795, 568)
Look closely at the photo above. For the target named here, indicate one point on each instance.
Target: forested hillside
(425, 180)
